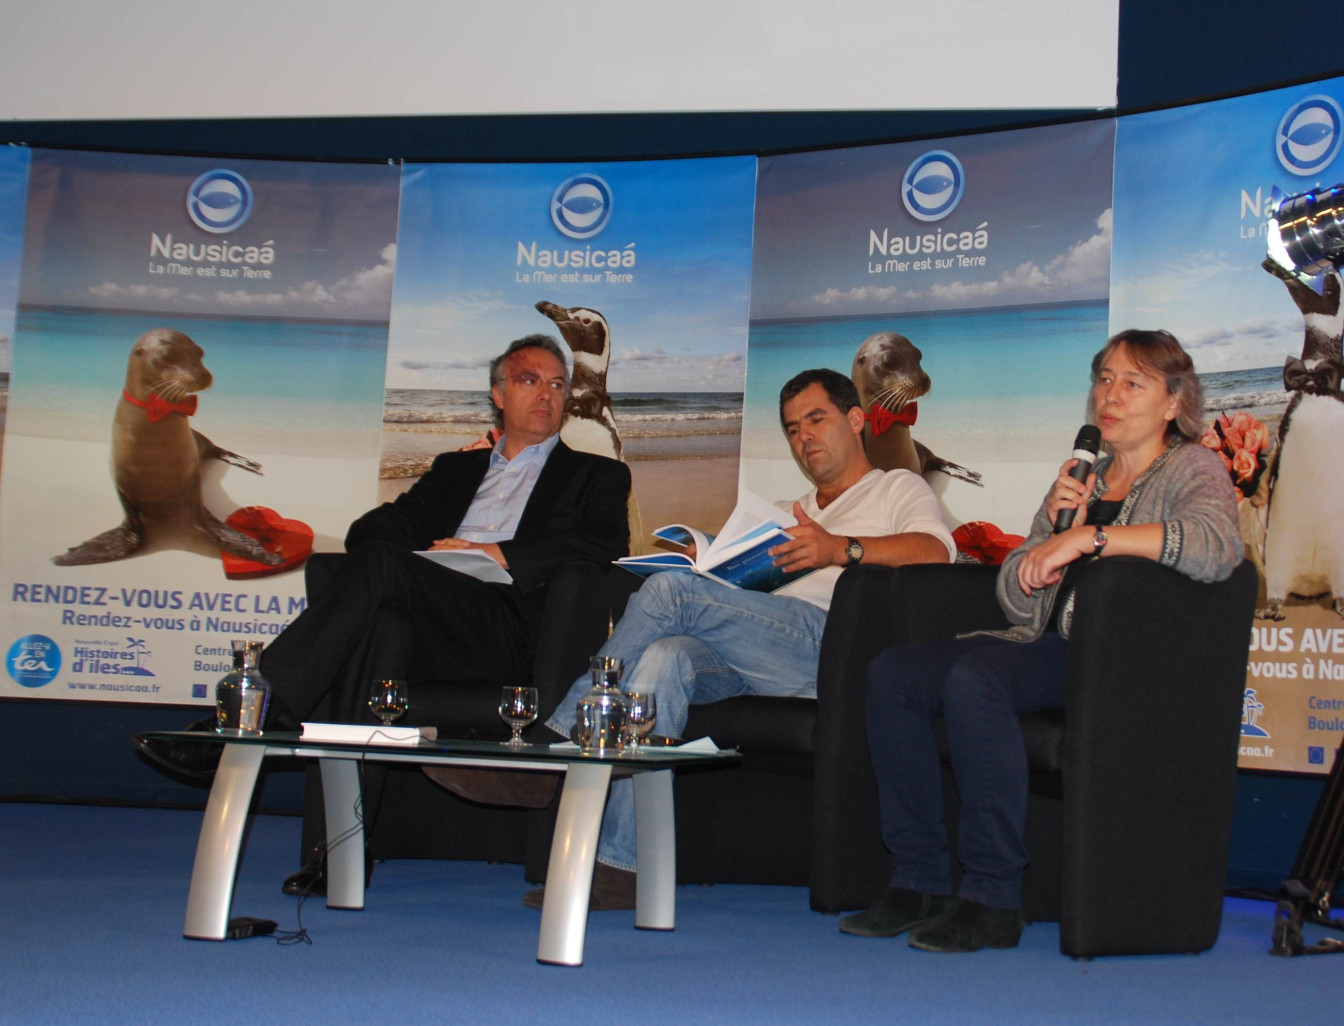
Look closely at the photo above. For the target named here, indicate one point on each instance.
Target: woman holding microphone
(1156, 494)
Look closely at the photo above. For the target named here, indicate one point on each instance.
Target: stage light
(1306, 231)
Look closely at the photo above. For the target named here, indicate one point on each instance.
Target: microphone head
(1089, 439)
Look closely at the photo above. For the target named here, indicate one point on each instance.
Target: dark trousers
(389, 613)
(980, 686)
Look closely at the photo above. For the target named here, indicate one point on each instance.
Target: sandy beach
(700, 492)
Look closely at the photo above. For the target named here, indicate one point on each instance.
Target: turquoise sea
(1007, 384)
(1001, 378)
(295, 387)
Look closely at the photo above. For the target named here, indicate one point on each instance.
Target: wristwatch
(1099, 541)
(853, 552)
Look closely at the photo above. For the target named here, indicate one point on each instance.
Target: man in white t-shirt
(693, 640)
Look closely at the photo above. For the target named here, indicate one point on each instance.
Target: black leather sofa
(1130, 808)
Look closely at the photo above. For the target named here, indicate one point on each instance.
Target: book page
(751, 512)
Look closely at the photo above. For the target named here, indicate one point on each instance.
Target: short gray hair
(546, 342)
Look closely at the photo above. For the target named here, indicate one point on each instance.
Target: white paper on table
(704, 746)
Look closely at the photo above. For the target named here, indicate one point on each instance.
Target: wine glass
(517, 708)
(641, 713)
(388, 700)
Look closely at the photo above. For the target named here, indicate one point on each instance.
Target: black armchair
(1131, 807)
(1130, 811)
(417, 819)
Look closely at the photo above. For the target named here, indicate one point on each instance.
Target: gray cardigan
(1186, 489)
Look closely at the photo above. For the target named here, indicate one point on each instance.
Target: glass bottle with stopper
(601, 712)
(242, 696)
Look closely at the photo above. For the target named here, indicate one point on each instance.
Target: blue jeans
(691, 640)
(980, 686)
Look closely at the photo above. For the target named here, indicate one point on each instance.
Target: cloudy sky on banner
(13, 178)
(1192, 187)
(103, 232)
(473, 238)
(1039, 198)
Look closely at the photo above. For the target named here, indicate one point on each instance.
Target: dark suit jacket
(577, 511)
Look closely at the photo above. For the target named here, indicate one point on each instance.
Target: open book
(737, 556)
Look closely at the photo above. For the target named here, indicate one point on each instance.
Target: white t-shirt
(879, 503)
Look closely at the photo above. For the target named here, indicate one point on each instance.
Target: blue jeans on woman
(691, 640)
(980, 686)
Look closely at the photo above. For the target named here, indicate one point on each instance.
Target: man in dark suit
(531, 503)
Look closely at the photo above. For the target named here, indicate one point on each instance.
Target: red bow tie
(160, 407)
(882, 418)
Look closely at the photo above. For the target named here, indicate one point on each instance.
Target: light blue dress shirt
(503, 493)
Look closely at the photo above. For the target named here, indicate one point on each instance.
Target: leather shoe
(613, 889)
(896, 911)
(969, 926)
(194, 761)
(310, 881)
(517, 788)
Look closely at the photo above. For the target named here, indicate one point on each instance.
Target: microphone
(1085, 448)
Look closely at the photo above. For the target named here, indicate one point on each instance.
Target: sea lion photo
(889, 377)
(156, 459)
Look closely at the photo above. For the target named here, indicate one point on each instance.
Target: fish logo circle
(581, 206)
(932, 185)
(1309, 135)
(219, 201)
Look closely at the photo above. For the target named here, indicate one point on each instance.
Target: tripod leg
(1287, 929)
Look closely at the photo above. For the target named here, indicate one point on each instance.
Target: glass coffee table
(564, 916)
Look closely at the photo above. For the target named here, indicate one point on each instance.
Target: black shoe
(613, 890)
(970, 926)
(194, 761)
(310, 881)
(895, 912)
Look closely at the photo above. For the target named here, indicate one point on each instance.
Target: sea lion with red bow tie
(889, 377)
(156, 458)
(1304, 543)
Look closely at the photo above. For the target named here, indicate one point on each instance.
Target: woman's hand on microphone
(1044, 564)
(1070, 493)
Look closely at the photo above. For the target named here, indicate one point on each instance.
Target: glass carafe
(601, 712)
(241, 697)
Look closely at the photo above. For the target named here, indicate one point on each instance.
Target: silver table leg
(217, 850)
(345, 833)
(569, 875)
(655, 852)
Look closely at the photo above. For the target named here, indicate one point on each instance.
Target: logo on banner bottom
(33, 660)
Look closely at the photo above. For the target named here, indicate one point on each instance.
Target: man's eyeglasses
(529, 380)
